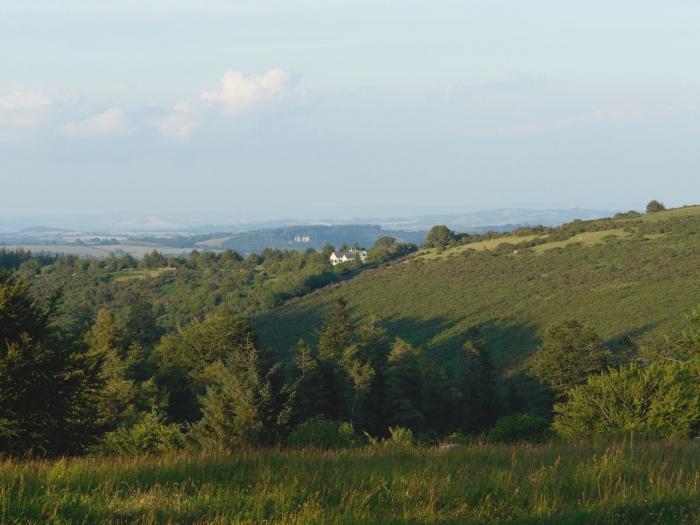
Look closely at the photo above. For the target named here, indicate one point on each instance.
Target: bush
(149, 436)
(439, 237)
(519, 427)
(322, 433)
(459, 438)
(655, 206)
(400, 438)
(569, 353)
(658, 401)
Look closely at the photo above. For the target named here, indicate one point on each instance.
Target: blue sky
(269, 108)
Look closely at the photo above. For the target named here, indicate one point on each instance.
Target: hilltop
(631, 275)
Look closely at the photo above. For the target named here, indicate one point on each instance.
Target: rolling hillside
(631, 275)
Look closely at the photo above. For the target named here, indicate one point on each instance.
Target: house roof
(350, 254)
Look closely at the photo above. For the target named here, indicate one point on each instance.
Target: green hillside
(629, 275)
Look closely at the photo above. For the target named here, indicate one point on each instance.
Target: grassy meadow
(655, 483)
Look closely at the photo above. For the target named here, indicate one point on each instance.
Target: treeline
(14, 259)
(180, 289)
(441, 237)
(124, 387)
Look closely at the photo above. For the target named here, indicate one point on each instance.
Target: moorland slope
(632, 275)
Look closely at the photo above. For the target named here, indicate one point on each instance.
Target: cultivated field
(102, 250)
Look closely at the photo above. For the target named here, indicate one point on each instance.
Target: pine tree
(404, 380)
(336, 333)
(139, 322)
(48, 381)
(304, 358)
(238, 409)
(117, 400)
(476, 395)
(360, 375)
(330, 376)
(570, 352)
(183, 357)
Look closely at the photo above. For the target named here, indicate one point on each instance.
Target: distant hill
(310, 236)
(495, 220)
(631, 275)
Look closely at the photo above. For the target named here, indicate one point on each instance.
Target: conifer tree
(360, 375)
(336, 333)
(476, 397)
(570, 352)
(183, 357)
(117, 400)
(404, 380)
(48, 381)
(331, 378)
(239, 408)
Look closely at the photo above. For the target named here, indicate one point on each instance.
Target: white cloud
(109, 122)
(240, 94)
(183, 120)
(23, 109)
(237, 94)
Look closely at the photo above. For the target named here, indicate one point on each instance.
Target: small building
(348, 256)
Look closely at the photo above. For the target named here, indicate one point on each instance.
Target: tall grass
(557, 484)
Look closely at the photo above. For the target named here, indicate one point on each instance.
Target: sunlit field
(557, 484)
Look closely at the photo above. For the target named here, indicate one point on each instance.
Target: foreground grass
(557, 484)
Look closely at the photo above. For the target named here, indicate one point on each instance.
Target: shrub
(655, 206)
(658, 401)
(400, 437)
(519, 427)
(149, 436)
(458, 438)
(569, 353)
(439, 236)
(318, 432)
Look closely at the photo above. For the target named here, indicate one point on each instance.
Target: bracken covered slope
(635, 276)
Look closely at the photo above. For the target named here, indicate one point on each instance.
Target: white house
(348, 256)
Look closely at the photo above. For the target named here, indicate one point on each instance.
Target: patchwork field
(103, 250)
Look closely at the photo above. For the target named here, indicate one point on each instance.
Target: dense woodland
(119, 356)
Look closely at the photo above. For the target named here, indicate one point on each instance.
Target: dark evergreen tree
(183, 357)
(118, 398)
(241, 407)
(404, 386)
(570, 352)
(138, 324)
(48, 381)
(360, 380)
(336, 333)
(476, 398)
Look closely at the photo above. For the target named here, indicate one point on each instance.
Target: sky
(265, 109)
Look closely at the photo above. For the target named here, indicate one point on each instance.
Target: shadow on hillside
(509, 343)
(635, 334)
(418, 332)
(284, 327)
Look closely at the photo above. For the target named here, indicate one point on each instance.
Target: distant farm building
(348, 256)
(302, 238)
